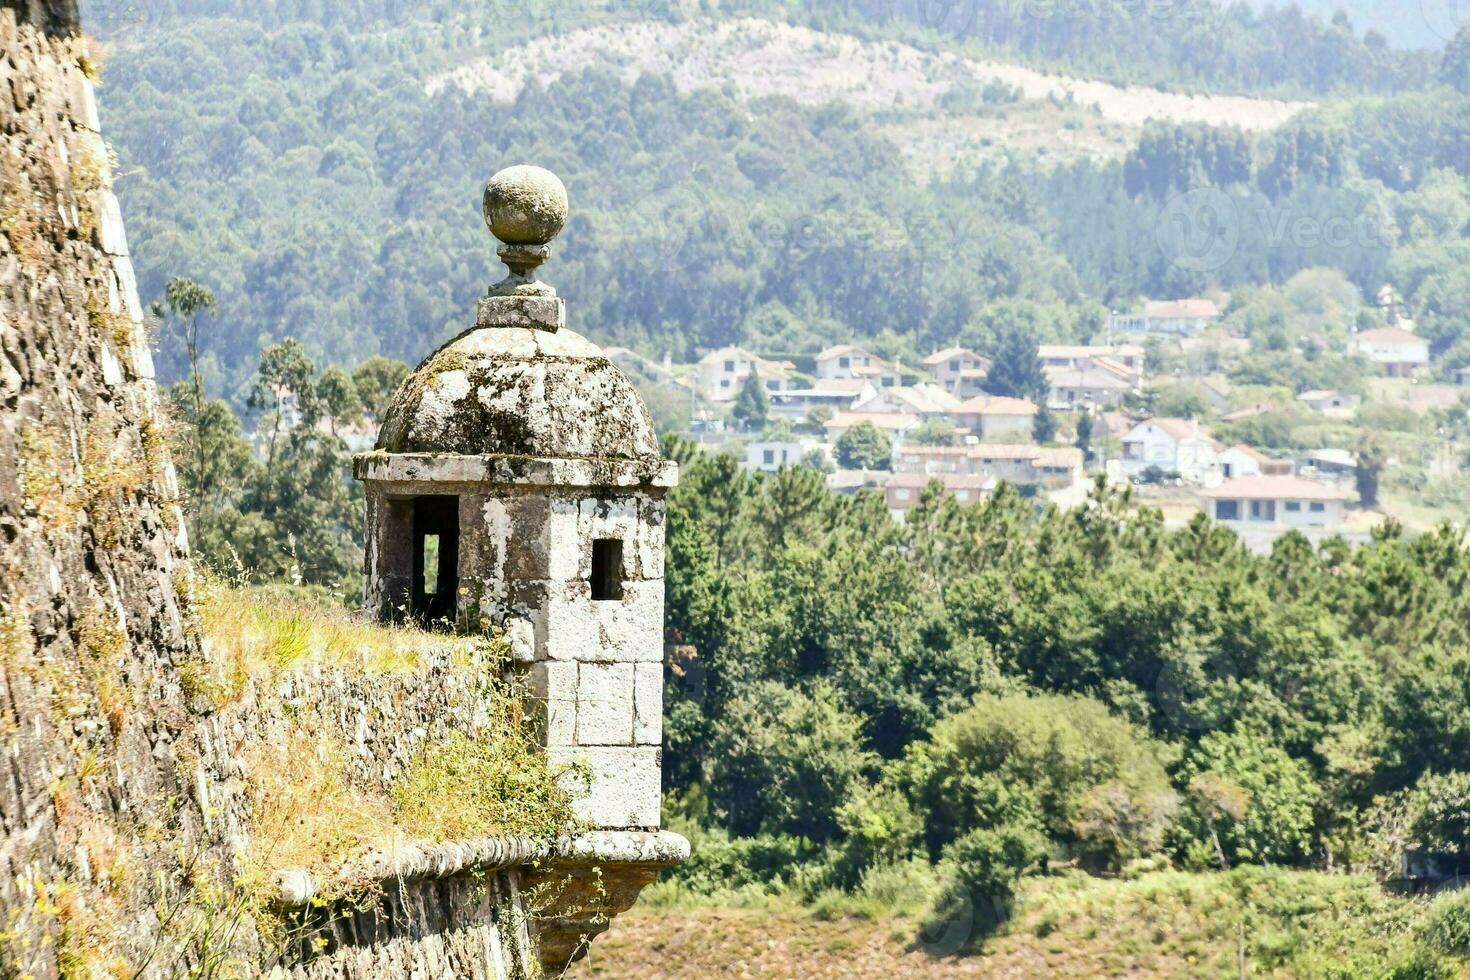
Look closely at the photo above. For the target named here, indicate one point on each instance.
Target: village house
(769, 455)
(1130, 357)
(1462, 377)
(720, 373)
(1172, 446)
(895, 425)
(1092, 386)
(1019, 464)
(795, 404)
(846, 361)
(903, 490)
(1179, 318)
(1397, 351)
(959, 371)
(1330, 464)
(933, 460)
(992, 418)
(1242, 460)
(928, 401)
(1025, 465)
(1246, 412)
(1262, 508)
(1336, 403)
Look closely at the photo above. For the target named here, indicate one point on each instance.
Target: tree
(285, 378)
(1017, 371)
(935, 432)
(864, 447)
(1439, 812)
(1064, 763)
(1044, 426)
(376, 380)
(1455, 69)
(338, 397)
(1252, 802)
(1372, 457)
(752, 405)
(185, 300)
(1084, 434)
(784, 760)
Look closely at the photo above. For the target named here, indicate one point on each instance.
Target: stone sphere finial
(525, 206)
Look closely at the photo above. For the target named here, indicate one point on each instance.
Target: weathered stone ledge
(412, 469)
(296, 887)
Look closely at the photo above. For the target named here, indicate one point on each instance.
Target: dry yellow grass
(307, 809)
(260, 632)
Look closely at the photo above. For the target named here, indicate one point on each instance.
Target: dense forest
(997, 688)
(701, 219)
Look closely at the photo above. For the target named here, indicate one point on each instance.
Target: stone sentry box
(517, 482)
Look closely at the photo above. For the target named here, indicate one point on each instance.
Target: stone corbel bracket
(649, 851)
(584, 881)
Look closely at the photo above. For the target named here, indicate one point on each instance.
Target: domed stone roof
(519, 392)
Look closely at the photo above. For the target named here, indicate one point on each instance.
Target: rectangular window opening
(607, 569)
(435, 561)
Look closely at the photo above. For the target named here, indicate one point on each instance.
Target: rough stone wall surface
(122, 814)
(101, 774)
(461, 927)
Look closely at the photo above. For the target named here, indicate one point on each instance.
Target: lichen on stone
(498, 391)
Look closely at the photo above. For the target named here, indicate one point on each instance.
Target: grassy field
(1266, 922)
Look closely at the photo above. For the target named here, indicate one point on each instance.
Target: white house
(1398, 351)
(1077, 388)
(1339, 403)
(846, 361)
(924, 400)
(1262, 508)
(992, 418)
(1241, 460)
(720, 373)
(769, 455)
(1173, 446)
(1074, 356)
(794, 404)
(957, 370)
(1180, 318)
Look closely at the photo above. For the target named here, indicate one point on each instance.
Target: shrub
(1091, 780)
(979, 872)
(765, 860)
(1448, 927)
(1249, 801)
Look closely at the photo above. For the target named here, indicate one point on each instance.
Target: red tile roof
(995, 405)
(1275, 488)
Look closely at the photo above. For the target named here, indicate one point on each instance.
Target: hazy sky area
(1406, 23)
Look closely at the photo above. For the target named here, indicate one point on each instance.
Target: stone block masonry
(105, 769)
(518, 465)
(549, 458)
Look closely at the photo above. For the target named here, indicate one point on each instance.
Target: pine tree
(752, 406)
